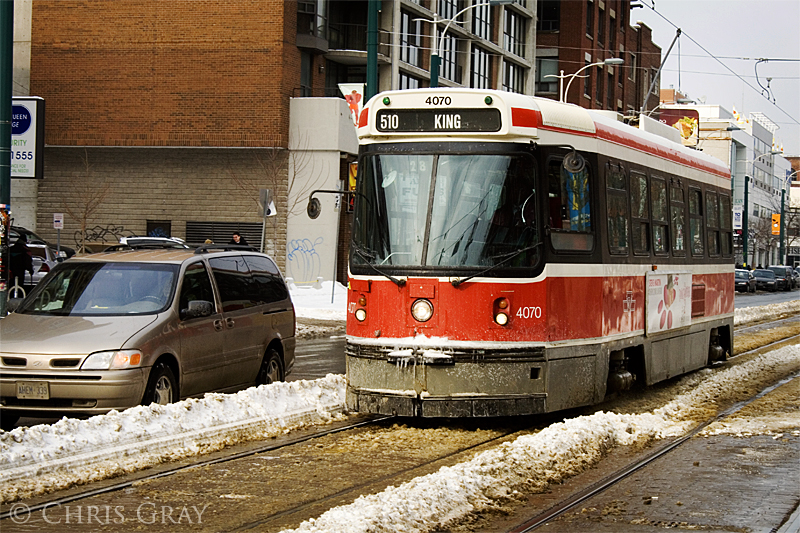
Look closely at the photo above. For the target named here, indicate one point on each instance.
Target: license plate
(33, 390)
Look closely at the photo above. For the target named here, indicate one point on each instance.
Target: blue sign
(20, 119)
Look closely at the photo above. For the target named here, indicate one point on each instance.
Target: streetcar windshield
(443, 210)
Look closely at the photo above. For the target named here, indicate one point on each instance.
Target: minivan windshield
(89, 289)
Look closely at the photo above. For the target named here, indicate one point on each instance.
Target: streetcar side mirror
(574, 163)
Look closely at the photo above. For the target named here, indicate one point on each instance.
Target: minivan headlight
(113, 360)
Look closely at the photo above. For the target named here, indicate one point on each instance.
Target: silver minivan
(114, 330)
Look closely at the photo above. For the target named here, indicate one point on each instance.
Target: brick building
(572, 35)
(170, 117)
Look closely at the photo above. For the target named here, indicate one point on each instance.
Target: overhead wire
(718, 60)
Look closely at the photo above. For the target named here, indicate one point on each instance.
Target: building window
(546, 67)
(547, 15)
(612, 34)
(408, 82)
(590, 19)
(449, 67)
(601, 27)
(587, 82)
(410, 39)
(449, 8)
(632, 67)
(482, 21)
(653, 76)
(480, 69)
(514, 40)
(306, 61)
(512, 78)
(610, 91)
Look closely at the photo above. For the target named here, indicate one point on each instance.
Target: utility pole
(6, 75)
(373, 8)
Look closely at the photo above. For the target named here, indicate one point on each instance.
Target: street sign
(58, 220)
(737, 216)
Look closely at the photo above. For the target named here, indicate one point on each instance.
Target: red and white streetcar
(515, 255)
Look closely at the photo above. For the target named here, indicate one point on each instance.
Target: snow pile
(531, 462)
(47, 457)
(765, 312)
(320, 301)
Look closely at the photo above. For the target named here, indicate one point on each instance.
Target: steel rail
(619, 475)
(225, 458)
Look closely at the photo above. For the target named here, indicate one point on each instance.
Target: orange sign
(776, 224)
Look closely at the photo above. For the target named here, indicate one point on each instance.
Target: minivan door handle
(218, 325)
(229, 322)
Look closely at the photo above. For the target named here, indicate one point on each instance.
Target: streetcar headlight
(361, 314)
(501, 318)
(422, 310)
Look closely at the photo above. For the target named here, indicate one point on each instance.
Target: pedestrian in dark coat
(21, 260)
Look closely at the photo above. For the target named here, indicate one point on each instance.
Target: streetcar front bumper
(425, 382)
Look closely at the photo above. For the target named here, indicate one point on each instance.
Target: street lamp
(783, 202)
(746, 192)
(609, 61)
(436, 54)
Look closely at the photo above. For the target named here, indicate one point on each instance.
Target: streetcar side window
(677, 219)
(696, 223)
(726, 236)
(712, 223)
(640, 213)
(570, 215)
(659, 210)
(617, 207)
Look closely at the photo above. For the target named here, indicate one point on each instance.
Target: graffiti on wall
(109, 234)
(304, 263)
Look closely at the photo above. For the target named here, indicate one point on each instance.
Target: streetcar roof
(522, 118)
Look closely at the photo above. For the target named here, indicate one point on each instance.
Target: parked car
(796, 274)
(745, 281)
(783, 276)
(113, 330)
(765, 280)
(15, 231)
(131, 243)
(44, 260)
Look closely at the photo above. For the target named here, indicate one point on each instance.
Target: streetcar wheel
(271, 369)
(162, 388)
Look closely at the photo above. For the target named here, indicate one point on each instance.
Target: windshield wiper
(368, 257)
(512, 255)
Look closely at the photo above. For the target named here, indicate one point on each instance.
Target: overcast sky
(738, 33)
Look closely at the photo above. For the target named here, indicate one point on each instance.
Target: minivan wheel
(271, 369)
(161, 386)
(8, 420)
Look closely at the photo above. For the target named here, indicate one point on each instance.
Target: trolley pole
(6, 75)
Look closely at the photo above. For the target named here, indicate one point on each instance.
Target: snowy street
(43, 458)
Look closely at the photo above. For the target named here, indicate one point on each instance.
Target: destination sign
(438, 120)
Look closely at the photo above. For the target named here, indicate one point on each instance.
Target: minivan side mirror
(197, 308)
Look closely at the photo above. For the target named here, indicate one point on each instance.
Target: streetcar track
(184, 468)
(381, 480)
(543, 419)
(611, 480)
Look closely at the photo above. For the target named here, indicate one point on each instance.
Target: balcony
(347, 44)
